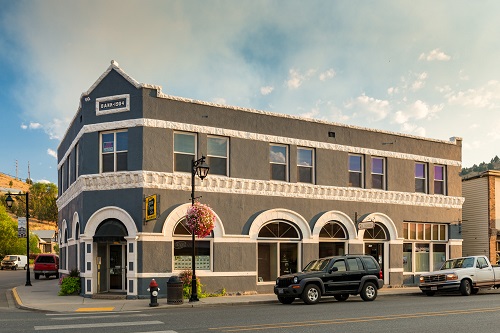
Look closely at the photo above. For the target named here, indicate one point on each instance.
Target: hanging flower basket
(200, 219)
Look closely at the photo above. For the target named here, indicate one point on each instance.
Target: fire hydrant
(153, 290)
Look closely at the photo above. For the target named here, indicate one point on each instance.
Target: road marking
(129, 323)
(94, 309)
(351, 320)
(105, 315)
(84, 313)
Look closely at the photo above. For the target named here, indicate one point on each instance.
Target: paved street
(395, 310)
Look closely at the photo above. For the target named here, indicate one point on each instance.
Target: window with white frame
(217, 155)
(70, 171)
(77, 161)
(439, 179)
(183, 248)
(425, 246)
(278, 250)
(184, 151)
(305, 165)
(332, 239)
(356, 170)
(114, 151)
(378, 173)
(278, 158)
(420, 177)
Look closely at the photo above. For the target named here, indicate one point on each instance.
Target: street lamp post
(9, 201)
(200, 168)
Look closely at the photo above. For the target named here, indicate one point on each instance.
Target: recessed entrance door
(117, 270)
(376, 250)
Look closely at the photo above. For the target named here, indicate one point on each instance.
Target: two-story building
(285, 190)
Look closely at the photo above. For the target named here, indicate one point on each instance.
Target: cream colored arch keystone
(279, 214)
(335, 216)
(179, 213)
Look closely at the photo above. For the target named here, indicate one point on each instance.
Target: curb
(19, 303)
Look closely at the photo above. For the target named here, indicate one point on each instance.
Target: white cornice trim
(156, 123)
(215, 184)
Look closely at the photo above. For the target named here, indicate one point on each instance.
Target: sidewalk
(43, 296)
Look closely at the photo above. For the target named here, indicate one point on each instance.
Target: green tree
(43, 198)
(9, 242)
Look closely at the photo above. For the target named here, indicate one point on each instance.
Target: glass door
(116, 267)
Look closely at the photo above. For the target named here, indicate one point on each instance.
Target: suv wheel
(311, 294)
(369, 291)
(37, 276)
(341, 297)
(286, 300)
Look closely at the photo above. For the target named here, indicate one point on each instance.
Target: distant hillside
(482, 167)
(17, 185)
(5, 184)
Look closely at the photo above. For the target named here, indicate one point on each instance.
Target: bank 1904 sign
(151, 203)
(112, 104)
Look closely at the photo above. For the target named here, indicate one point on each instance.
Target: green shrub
(70, 285)
(187, 278)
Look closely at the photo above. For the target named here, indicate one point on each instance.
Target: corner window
(114, 151)
(356, 170)
(217, 153)
(439, 180)
(278, 158)
(378, 173)
(420, 177)
(184, 151)
(305, 165)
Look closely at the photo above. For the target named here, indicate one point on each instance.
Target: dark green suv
(338, 276)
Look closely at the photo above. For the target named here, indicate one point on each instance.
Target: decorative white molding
(199, 272)
(156, 123)
(215, 184)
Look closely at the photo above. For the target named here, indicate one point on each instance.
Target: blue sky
(425, 68)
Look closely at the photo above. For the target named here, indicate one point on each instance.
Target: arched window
(377, 233)
(183, 248)
(332, 239)
(278, 250)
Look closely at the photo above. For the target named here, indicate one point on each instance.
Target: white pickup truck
(465, 274)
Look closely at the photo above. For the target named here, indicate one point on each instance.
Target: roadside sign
(366, 225)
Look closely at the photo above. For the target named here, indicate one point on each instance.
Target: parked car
(14, 261)
(46, 264)
(338, 276)
(465, 274)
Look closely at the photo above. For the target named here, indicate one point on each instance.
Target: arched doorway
(332, 239)
(375, 239)
(111, 256)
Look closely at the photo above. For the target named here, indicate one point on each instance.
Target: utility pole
(29, 174)
(16, 171)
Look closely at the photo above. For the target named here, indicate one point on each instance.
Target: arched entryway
(111, 256)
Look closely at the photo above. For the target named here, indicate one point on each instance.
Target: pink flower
(200, 219)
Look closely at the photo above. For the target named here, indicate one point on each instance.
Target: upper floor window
(77, 160)
(420, 177)
(305, 165)
(184, 151)
(114, 151)
(439, 180)
(356, 170)
(378, 173)
(217, 153)
(278, 157)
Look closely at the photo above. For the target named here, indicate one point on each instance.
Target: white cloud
(392, 90)
(23, 126)
(327, 75)
(379, 109)
(219, 100)
(419, 82)
(486, 96)
(295, 78)
(266, 90)
(52, 153)
(435, 54)
(32, 125)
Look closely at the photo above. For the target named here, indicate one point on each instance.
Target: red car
(46, 264)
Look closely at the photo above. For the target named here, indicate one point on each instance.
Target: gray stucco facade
(121, 148)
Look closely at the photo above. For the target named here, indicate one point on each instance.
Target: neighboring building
(285, 190)
(47, 240)
(481, 215)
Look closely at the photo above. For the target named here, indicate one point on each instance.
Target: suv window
(45, 260)
(354, 264)
(340, 264)
(369, 262)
